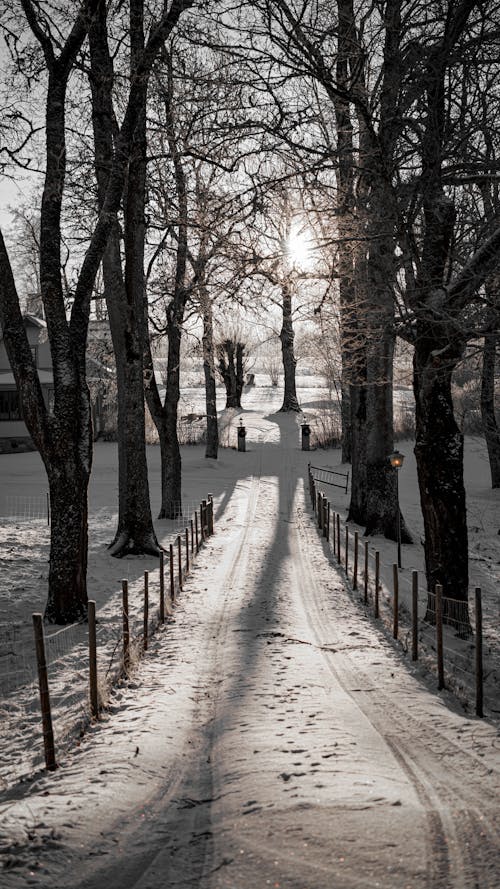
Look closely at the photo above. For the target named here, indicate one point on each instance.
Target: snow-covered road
(273, 736)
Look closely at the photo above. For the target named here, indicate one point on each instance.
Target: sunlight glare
(298, 248)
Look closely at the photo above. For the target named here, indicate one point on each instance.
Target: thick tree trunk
(68, 476)
(439, 455)
(290, 400)
(490, 426)
(171, 466)
(357, 504)
(124, 299)
(230, 360)
(212, 446)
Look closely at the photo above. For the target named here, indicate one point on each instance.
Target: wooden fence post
(439, 635)
(395, 603)
(338, 539)
(366, 574)
(479, 653)
(146, 610)
(347, 550)
(328, 522)
(334, 532)
(192, 535)
(319, 510)
(43, 684)
(172, 579)
(414, 615)
(187, 551)
(206, 532)
(355, 570)
(162, 587)
(179, 560)
(325, 517)
(377, 581)
(202, 524)
(94, 698)
(126, 628)
(196, 531)
(210, 514)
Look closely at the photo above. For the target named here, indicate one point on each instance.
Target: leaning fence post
(179, 560)
(172, 579)
(414, 615)
(366, 574)
(146, 610)
(347, 550)
(395, 604)
(479, 653)
(162, 588)
(43, 683)
(206, 531)
(94, 698)
(187, 551)
(202, 524)
(377, 579)
(196, 530)
(338, 539)
(126, 630)
(355, 569)
(439, 635)
(192, 535)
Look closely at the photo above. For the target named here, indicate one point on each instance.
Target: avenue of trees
(182, 144)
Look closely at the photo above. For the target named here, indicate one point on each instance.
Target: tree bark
(290, 400)
(491, 428)
(212, 446)
(125, 295)
(230, 355)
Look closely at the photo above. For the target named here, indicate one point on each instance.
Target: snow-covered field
(274, 735)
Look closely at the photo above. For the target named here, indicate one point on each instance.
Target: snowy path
(274, 737)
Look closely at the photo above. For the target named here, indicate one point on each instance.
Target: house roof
(7, 380)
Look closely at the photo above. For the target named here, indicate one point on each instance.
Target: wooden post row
(43, 683)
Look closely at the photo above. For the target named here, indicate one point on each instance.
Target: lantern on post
(396, 460)
(241, 436)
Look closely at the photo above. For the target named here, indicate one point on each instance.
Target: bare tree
(64, 435)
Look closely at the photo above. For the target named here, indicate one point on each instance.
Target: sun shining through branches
(298, 248)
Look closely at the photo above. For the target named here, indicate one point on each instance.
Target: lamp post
(396, 460)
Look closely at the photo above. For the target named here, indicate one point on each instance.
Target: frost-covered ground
(274, 735)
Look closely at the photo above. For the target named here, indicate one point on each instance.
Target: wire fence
(26, 508)
(81, 662)
(450, 637)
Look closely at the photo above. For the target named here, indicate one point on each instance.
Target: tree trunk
(68, 477)
(290, 400)
(124, 299)
(357, 504)
(171, 467)
(439, 455)
(212, 446)
(490, 426)
(227, 353)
